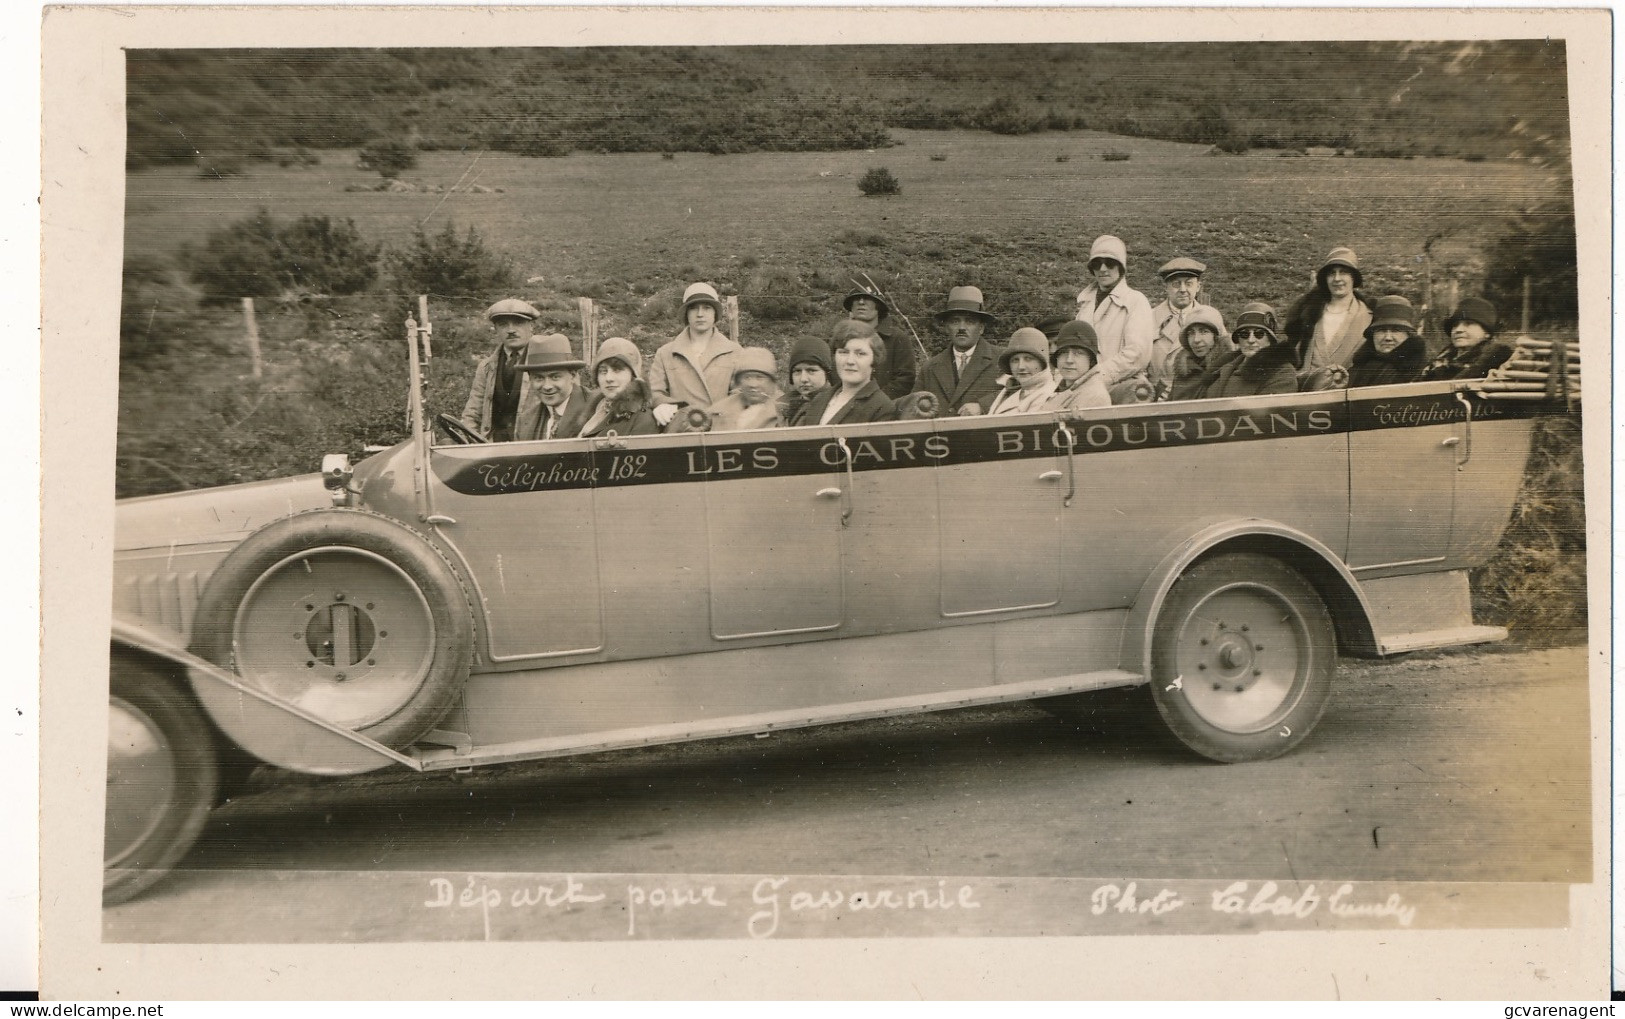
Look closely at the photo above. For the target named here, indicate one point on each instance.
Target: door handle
(1454, 440)
(1050, 476)
(828, 493)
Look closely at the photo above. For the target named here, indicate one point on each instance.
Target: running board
(1454, 637)
(796, 718)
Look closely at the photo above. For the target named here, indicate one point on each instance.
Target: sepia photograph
(869, 481)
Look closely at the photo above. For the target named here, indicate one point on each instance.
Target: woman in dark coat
(857, 399)
(1473, 352)
(1263, 364)
(1393, 351)
(622, 405)
(1203, 342)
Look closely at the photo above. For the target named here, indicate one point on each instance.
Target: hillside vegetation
(220, 108)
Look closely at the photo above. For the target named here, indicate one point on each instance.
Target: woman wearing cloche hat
(1263, 363)
(1327, 325)
(697, 366)
(1393, 351)
(1028, 384)
(623, 406)
(1473, 351)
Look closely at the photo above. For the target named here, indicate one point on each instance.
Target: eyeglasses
(1252, 334)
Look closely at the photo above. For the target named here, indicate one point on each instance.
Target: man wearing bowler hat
(963, 377)
(1182, 279)
(502, 399)
(896, 376)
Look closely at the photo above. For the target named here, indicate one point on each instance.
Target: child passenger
(753, 402)
(811, 372)
(1078, 386)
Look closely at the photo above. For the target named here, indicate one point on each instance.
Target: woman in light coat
(697, 366)
(1327, 325)
(1028, 383)
(1079, 384)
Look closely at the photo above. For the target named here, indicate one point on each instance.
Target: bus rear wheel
(1242, 658)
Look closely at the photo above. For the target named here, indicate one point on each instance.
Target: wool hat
(880, 302)
(1344, 257)
(1025, 340)
(1107, 246)
(549, 353)
(1076, 333)
(1257, 315)
(700, 293)
(1204, 315)
(811, 348)
(512, 307)
(755, 359)
(621, 349)
(1474, 309)
(1181, 266)
(1392, 311)
(964, 299)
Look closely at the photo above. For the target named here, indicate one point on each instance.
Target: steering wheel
(458, 432)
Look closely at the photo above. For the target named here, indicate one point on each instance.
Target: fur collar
(1410, 355)
(629, 402)
(1264, 364)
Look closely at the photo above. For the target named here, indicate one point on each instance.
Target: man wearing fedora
(896, 376)
(964, 376)
(1121, 316)
(552, 369)
(503, 401)
(1182, 279)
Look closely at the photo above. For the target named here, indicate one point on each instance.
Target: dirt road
(1470, 766)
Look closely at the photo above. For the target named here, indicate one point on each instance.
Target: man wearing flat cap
(896, 376)
(963, 377)
(1182, 278)
(503, 401)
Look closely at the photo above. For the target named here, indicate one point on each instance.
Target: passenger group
(1116, 348)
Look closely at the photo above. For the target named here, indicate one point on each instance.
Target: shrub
(446, 265)
(879, 181)
(262, 256)
(1539, 245)
(1115, 156)
(938, 157)
(388, 156)
(155, 313)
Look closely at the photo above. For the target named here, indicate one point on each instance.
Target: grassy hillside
(221, 108)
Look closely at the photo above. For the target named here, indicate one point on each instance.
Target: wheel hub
(142, 785)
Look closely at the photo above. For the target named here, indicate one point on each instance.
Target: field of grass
(787, 232)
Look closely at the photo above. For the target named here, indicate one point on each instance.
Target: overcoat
(1270, 371)
(978, 384)
(571, 416)
(1089, 391)
(1314, 350)
(1122, 321)
(896, 376)
(477, 411)
(870, 404)
(1473, 362)
(1402, 364)
(730, 414)
(673, 378)
(1015, 400)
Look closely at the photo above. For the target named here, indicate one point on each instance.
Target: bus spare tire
(1242, 658)
(351, 616)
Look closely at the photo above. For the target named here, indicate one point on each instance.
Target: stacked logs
(1537, 370)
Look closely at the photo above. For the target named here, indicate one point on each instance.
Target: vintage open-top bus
(444, 606)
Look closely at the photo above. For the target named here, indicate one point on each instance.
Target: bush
(388, 156)
(1115, 156)
(156, 312)
(262, 256)
(879, 181)
(446, 265)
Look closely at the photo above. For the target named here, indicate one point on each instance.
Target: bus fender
(1322, 567)
(263, 724)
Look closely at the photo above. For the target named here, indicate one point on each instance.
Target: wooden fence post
(733, 318)
(253, 335)
(425, 330)
(1525, 330)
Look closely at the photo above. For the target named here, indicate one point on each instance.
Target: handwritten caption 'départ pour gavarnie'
(767, 906)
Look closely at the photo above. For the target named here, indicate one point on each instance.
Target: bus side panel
(1129, 501)
(1487, 486)
(591, 698)
(889, 546)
